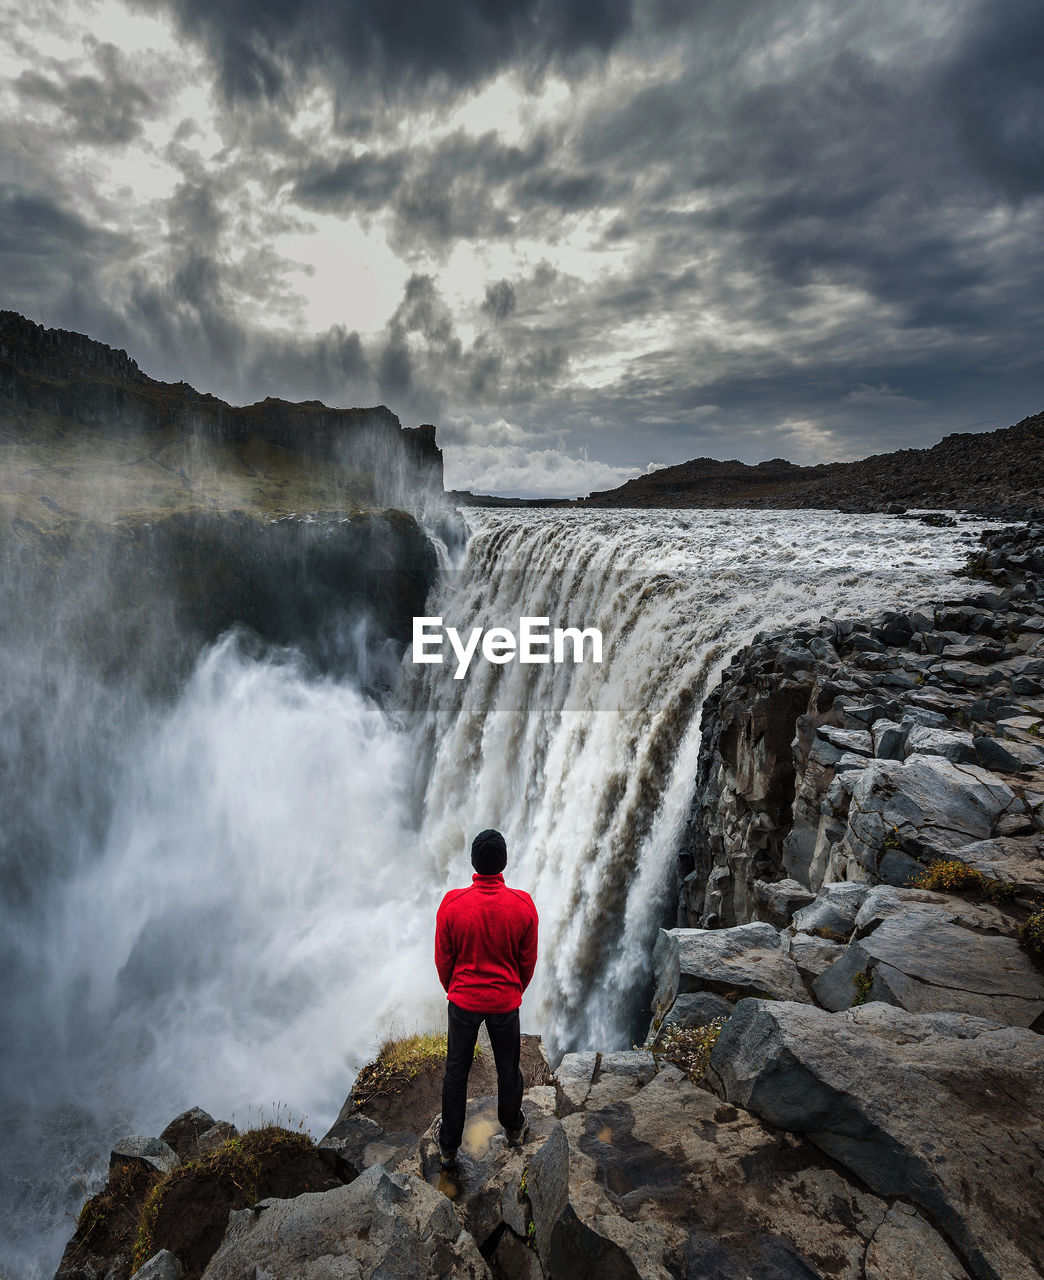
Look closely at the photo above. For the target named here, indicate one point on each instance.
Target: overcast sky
(583, 237)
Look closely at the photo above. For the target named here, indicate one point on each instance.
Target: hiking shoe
(447, 1158)
(516, 1137)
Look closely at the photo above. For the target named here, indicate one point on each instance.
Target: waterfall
(588, 769)
(242, 899)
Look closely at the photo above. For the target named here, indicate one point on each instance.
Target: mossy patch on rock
(951, 875)
(1031, 935)
(187, 1212)
(108, 1221)
(139, 1211)
(397, 1063)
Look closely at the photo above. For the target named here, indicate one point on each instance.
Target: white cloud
(516, 471)
(881, 396)
(465, 430)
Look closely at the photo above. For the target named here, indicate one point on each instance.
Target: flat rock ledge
(869, 1143)
(648, 1175)
(945, 1109)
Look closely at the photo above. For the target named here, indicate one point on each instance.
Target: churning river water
(248, 905)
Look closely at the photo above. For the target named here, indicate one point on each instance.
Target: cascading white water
(259, 905)
(588, 769)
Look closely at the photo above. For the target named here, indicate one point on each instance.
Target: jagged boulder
(776, 903)
(954, 745)
(694, 1009)
(161, 1266)
(1007, 756)
(748, 959)
(183, 1133)
(1016, 860)
(944, 1109)
(832, 914)
(924, 963)
(152, 1152)
(925, 806)
(355, 1142)
(812, 955)
(573, 1079)
(391, 1225)
(885, 900)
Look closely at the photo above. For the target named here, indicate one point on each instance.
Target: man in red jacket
(485, 952)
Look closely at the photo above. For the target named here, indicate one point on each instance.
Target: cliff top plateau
(994, 473)
(85, 434)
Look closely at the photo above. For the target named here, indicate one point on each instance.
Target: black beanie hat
(489, 853)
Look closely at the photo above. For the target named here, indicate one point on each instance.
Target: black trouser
(506, 1039)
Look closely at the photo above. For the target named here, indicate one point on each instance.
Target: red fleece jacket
(486, 945)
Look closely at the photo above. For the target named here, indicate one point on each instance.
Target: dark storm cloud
(499, 301)
(45, 246)
(810, 229)
(105, 109)
(364, 181)
(562, 189)
(462, 187)
(394, 46)
(995, 91)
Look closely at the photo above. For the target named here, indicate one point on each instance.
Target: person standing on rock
(485, 953)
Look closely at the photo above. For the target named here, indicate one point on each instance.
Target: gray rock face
(513, 1259)
(925, 964)
(813, 955)
(390, 1225)
(694, 1009)
(899, 1099)
(834, 910)
(884, 901)
(857, 741)
(619, 1075)
(1007, 756)
(184, 1131)
(1015, 860)
(745, 960)
(928, 952)
(760, 812)
(777, 902)
(888, 740)
(925, 803)
(671, 1181)
(548, 1188)
(161, 1266)
(951, 744)
(573, 1080)
(353, 1144)
(152, 1152)
(904, 1245)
